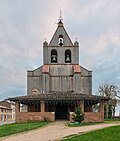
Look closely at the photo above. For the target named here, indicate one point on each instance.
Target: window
(60, 40)
(35, 91)
(53, 56)
(67, 56)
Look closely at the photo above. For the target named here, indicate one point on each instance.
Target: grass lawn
(93, 123)
(111, 120)
(106, 134)
(84, 124)
(9, 129)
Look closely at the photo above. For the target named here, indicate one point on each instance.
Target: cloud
(25, 24)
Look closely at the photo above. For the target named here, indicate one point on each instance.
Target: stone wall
(35, 116)
(59, 77)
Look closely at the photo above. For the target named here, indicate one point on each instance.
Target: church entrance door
(61, 111)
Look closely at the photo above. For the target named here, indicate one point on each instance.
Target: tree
(111, 91)
(78, 115)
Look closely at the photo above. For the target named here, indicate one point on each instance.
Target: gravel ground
(55, 131)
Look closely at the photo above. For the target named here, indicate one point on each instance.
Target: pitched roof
(5, 103)
(4, 107)
(58, 96)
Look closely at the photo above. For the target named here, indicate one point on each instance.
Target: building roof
(58, 96)
(5, 103)
(4, 107)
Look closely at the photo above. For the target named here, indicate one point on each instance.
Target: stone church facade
(61, 70)
(59, 85)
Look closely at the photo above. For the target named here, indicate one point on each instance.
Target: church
(59, 85)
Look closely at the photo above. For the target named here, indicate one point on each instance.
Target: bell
(61, 42)
(54, 58)
(67, 58)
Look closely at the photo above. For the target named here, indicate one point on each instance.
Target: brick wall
(35, 116)
(89, 117)
(92, 117)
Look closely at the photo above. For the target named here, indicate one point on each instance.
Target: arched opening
(60, 40)
(53, 56)
(67, 56)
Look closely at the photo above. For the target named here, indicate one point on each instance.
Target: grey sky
(25, 23)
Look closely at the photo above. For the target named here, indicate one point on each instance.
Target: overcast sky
(25, 23)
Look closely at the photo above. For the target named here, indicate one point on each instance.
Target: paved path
(55, 131)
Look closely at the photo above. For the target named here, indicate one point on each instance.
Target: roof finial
(60, 18)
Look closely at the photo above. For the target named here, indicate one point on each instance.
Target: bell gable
(60, 50)
(60, 37)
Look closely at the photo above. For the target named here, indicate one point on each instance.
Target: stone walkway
(55, 131)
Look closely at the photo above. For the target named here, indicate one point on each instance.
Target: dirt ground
(55, 131)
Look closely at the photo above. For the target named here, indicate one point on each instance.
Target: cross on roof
(60, 18)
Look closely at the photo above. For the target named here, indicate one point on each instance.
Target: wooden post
(42, 106)
(82, 105)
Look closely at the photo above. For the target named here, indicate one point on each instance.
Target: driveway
(55, 131)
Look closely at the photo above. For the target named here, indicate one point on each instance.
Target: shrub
(78, 115)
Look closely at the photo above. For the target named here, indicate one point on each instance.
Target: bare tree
(111, 91)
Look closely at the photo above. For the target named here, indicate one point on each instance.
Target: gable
(66, 39)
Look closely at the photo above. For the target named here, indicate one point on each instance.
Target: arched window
(53, 56)
(67, 56)
(60, 40)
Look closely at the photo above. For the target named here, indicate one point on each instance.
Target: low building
(10, 105)
(59, 85)
(5, 113)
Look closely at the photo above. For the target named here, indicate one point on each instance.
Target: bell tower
(60, 50)
(60, 71)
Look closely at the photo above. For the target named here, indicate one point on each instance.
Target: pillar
(77, 82)
(42, 106)
(17, 110)
(82, 105)
(45, 82)
(102, 109)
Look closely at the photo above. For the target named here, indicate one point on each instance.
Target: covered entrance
(58, 106)
(61, 111)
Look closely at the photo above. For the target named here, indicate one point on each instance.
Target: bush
(78, 115)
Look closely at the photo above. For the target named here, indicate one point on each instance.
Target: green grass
(111, 120)
(84, 124)
(9, 129)
(93, 123)
(106, 134)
